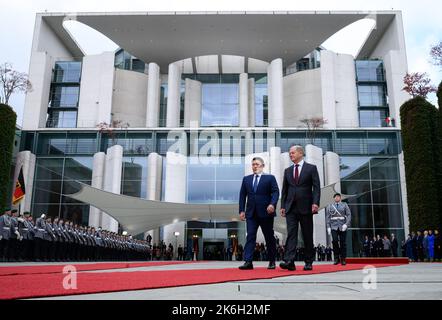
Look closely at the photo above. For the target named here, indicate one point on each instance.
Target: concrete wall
(37, 100)
(302, 97)
(173, 96)
(275, 93)
(112, 181)
(313, 155)
(339, 94)
(175, 191)
(130, 97)
(97, 82)
(99, 164)
(192, 103)
(153, 96)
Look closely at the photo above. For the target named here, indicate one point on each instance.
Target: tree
(418, 84)
(12, 81)
(108, 129)
(7, 133)
(436, 54)
(313, 124)
(421, 157)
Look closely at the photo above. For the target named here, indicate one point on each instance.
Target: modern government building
(172, 119)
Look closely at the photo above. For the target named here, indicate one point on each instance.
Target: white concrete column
(404, 193)
(154, 176)
(275, 165)
(328, 90)
(153, 96)
(175, 191)
(25, 160)
(192, 103)
(275, 93)
(37, 100)
(96, 90)
(95, 214)
(252, 111)
(395, 63)
(313, 155)
(332, 170)
(173, 96)
(112, 181)
(243, 100)
(154, 186)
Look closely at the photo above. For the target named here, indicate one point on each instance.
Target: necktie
(337, 206)
(255, 183)
(296, 173)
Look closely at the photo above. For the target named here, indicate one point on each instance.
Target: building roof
(166, 37)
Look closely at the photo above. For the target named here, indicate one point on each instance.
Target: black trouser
(294, 219)
(339, 244)
(39, 249)
(4, 249)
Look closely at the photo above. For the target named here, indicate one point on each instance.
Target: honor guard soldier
(5, 234)
(338, 218)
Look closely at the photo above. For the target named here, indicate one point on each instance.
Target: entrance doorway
(213, 250)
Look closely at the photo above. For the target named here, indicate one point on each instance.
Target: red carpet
(38, 269)
(47, 285)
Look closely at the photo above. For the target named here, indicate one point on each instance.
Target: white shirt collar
(300, 163)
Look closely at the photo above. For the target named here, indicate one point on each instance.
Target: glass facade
(372, 93)
(64, 95)
(378, 205)
(368, 169)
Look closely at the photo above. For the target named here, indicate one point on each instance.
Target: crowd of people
(423, 247)
(47, 239)
(418, 247)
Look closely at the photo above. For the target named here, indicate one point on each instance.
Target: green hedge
(439, 99)
(420, 132)
(7, 133)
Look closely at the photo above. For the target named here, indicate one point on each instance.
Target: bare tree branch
(12, 82)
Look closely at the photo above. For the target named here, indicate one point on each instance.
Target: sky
(422, 26)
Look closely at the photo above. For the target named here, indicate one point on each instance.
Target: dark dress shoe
(308, 267)
(287, 266)
(336, 261)
(343, 262)
(271, 265)
(246, 266)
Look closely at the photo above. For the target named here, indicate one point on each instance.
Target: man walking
(301, 192)
(262, 193)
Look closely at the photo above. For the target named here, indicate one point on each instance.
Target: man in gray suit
(301, 192)
(337, 219)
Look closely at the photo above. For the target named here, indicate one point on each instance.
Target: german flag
(19, 191)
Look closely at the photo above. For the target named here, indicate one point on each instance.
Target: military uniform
(338, 218)
(5, 234)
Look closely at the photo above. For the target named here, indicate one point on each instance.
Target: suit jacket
(305, 193)
(267, 193)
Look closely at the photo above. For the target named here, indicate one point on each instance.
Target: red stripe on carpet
(44, 269)
(49, 285)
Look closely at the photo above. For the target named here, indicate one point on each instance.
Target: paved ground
(413, 281)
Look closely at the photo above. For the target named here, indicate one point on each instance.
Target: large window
(56, 177)
(372, 94)
(370, 70)
(64, 95)
(220, 105)
(375, 202)
(134, 177)
(214, 183)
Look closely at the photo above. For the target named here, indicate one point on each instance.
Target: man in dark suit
(301, 191)
(262, 194)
